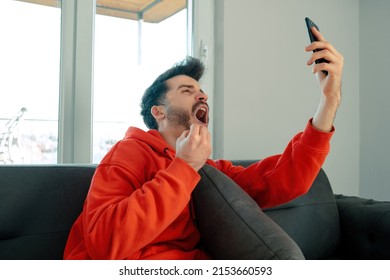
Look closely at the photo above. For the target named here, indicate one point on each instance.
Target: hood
(151, 137)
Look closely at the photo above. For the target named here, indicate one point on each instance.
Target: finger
(332, 69)
(321, 54)
(317, 34)
(204, 133)
(322, 45)
(184, 134)
(320, 67)
(194, 129)
(203, 130)
(332, 57)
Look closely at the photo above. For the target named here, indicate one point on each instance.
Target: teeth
(201, 114)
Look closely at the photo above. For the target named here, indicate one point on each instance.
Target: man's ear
(158, 112)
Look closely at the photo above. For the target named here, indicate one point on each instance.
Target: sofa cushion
(312, 220)
(365, 228)
(231, 224)
(38, 206)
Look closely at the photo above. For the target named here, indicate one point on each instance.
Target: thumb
(185, 134)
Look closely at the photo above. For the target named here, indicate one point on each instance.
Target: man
(139, 203)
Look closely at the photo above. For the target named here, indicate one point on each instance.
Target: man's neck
(170, 136)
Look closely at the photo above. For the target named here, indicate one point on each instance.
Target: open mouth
(202, 114)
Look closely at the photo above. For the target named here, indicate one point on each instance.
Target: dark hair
(155, 93)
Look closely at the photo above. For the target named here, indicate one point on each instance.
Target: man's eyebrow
(185, 85)
(189, 86)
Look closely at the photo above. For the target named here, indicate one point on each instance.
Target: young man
(138, 206)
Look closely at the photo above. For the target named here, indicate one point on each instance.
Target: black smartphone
(309, 25)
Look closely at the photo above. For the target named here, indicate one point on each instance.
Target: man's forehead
(181, 80)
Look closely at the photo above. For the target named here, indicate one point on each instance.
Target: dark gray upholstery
(361, 230)
(316, 214)
(39, 203)
(233, 226)
(365, 227)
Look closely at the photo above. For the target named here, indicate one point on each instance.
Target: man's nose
(202, 97)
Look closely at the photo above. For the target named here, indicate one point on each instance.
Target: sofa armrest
(365, 228)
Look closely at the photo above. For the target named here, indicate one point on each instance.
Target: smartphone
(309, 25)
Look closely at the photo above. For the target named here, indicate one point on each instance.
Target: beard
(178, 117)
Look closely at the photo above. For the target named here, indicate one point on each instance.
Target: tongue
(200, 114)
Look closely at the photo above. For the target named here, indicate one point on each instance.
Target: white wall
(375, 98)
(263, 91)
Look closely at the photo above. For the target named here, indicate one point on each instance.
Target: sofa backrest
(311, 220)
(38, 206)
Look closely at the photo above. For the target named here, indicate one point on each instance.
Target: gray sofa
(39, 204)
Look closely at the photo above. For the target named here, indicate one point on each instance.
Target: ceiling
(152, 11)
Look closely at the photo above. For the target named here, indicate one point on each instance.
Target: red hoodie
(138, 203)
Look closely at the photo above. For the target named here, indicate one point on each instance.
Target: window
(43, 72)
(29, 88)
(123, 72)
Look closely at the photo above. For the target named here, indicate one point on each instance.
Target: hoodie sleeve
(281, 178)
(120, 206)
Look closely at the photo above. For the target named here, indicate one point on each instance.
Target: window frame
(76, 81)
